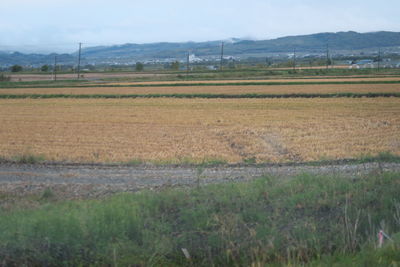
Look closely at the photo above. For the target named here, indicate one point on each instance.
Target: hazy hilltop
(32, 59)
(237, 47)
(313, 43)
(317, 42)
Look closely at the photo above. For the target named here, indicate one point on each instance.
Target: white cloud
(64, 23)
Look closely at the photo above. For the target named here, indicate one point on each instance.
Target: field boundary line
(381, 158)
(207, 96)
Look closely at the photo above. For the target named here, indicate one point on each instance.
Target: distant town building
(194, 59)
(363, 64)
(212, 67)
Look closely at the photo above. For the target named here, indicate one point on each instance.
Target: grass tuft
(48, 194)
(135, 162)
(251, 160)
(29, 158)
(381, 157)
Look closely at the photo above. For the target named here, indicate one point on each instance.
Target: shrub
(139, 66)
(4, 78)
(16, 68)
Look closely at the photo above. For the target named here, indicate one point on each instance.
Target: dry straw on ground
(231, 89)
(274, 130)
(307, 79)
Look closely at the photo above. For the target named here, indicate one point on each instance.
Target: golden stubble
(227, 89)
(288, 79)
(273, 130)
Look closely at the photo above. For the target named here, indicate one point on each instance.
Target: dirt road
(87, 181)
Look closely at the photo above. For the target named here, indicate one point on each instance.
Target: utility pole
(79, 60)
(187, 64)
(222, 55)
(327, 56)
(55, 68)
(379, 58)
(294, 59)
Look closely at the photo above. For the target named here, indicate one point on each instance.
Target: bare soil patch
(93, 181)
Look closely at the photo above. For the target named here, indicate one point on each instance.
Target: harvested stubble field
(274, 80)
(179, 130)
(227, 89)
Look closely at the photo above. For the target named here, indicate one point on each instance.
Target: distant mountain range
(313, 43)
(34, 59)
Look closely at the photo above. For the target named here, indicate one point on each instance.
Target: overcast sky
(58, 25)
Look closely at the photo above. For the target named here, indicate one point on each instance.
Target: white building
(194, 59)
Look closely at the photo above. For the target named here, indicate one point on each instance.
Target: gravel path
(76, 181)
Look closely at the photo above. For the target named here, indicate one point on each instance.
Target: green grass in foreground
(308, 219)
